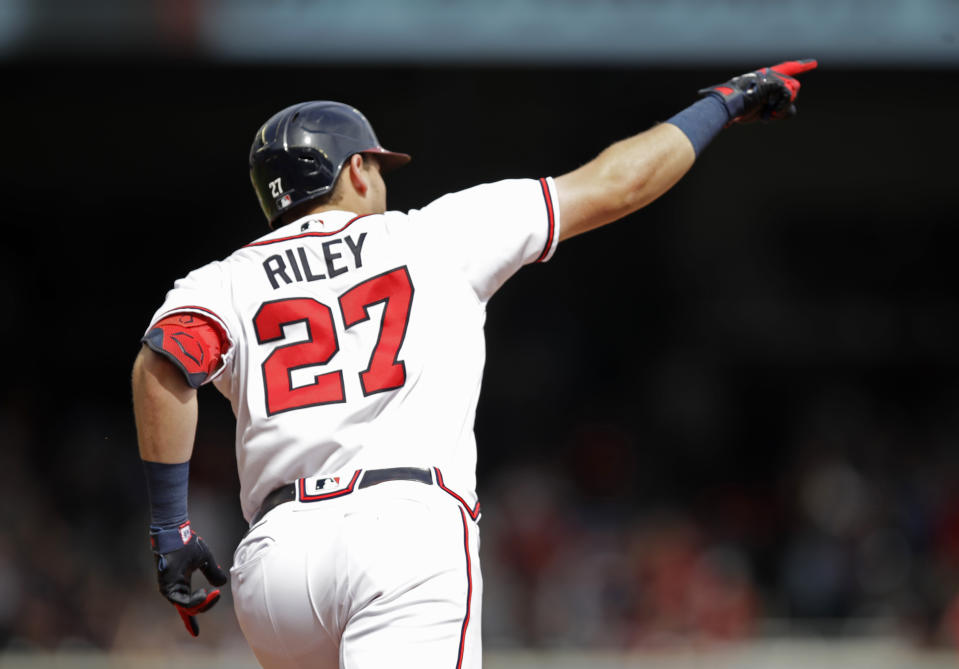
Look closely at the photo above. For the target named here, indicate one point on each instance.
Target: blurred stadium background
(724, 430)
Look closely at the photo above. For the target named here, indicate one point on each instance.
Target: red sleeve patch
(194, 342)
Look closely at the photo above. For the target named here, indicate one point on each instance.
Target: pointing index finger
(794, 67)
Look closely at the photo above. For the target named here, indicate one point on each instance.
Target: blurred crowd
(859, 534)
(847, 560)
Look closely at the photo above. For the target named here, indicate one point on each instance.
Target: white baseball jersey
(357, 341)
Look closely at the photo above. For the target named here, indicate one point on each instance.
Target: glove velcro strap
(170, 539)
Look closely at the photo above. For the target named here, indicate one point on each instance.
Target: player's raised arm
(633, 172)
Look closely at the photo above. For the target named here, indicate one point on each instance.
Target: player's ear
(358, 177)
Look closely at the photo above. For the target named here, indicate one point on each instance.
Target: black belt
(287, 493)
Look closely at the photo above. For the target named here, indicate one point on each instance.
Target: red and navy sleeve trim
(265, 242)
(473, 512)
(551, 219)
(188, 307)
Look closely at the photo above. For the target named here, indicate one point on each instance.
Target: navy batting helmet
(297, 155)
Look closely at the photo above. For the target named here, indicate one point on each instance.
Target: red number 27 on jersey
(393, 289)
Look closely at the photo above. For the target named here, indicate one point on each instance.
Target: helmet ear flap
(309, 166)
(313, 169)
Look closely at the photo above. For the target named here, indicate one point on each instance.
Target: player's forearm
(165, 409)
(622, 179)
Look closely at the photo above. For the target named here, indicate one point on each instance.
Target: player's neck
(358, 205)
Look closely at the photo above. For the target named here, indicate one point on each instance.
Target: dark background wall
(768, 352)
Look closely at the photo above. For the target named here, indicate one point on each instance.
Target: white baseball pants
(386, 576)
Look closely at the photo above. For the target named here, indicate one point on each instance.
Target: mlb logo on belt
(329, 483)
(316, 488)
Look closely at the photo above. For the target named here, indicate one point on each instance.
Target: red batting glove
(766, 94)
(178, 553)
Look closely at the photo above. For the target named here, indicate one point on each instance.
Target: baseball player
(349, 341)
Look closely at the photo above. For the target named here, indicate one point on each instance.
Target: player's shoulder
(492, 192)
(321, 225)
(211, 275)
(478, 203)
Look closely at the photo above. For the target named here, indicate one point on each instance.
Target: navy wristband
(167, 489)
(702, 121)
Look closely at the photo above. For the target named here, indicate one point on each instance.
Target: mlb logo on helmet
(285, 201)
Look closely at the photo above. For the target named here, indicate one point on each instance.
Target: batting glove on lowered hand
(178, 553)
(766, 94)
